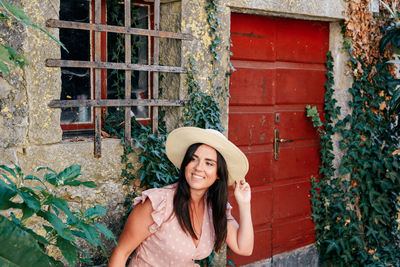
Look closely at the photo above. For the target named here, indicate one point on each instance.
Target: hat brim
(179, 140)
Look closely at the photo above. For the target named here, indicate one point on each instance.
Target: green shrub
(21, 246)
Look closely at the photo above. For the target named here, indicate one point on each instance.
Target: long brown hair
(217, 198)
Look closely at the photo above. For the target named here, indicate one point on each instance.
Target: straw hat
(179, 140)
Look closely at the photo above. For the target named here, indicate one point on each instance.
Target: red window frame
(103, 57)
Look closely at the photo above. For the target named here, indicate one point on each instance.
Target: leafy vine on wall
(355, 212)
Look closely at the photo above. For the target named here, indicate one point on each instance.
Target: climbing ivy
(202, 110)
(212, 8)
(355, 210)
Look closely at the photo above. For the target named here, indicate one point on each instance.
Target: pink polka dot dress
(169, 245)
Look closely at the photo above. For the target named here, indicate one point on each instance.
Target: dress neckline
(202, 225)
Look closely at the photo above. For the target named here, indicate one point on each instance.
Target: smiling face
(201, 171)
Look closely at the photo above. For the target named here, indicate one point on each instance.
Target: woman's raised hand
(240, 238)
(242, 192)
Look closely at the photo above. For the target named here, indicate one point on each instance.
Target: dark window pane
(139, 55)
(75, 81)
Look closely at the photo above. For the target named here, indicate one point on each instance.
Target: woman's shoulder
(157, 195)
(168, 189)
(161, 201)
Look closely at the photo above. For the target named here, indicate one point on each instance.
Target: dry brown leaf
(374, 111)
(382, 106)
(383, 145)
(396, 152)
(104, 134)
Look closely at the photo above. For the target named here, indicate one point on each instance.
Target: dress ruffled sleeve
(158, 199)
(228, 212)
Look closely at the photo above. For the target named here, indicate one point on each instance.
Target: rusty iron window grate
(97, 103)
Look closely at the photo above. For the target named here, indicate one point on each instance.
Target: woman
(183, 222)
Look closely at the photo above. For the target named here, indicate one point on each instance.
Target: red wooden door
(280, 69)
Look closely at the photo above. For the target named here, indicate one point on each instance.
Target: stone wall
(13, 97)
(327, 10)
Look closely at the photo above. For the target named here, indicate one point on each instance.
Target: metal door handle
(278, 140)
(284, 140)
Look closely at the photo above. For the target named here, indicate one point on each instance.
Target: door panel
(302, 40)
(295, 86)
(262, 246)
(291, 200)
(260, 169)
(262, 210)
(253, 37)
(280, 69)
(295, 124)
(262, 235)
(296, 162)
(252, 88)
(292, 235)
(257, 127)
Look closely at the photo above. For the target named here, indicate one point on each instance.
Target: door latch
(278, 140)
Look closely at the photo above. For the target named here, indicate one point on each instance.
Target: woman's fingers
(243, 185)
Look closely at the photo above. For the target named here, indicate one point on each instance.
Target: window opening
(139, 65)
(140, 54)
(75, 82)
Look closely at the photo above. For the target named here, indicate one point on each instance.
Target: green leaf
(78, 234)
(45, 168)
(20, 16)
(6, 263)
(70, 173)
(106, 232)
(62, 204)
(68, 250)
(50, 35)
(19, 248)
(5, 56)
(18, 59)
(3, 68)
(51, 178)
(89, 184)
(32, 177)
(16, 11)
(9, 170)
(27, 212)
(6, 193)
(12, 184)
(58, 224)
(19, 172)
(31, 200)
(95, 211)
(48, 229)
(91, 234)
(332, 246)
